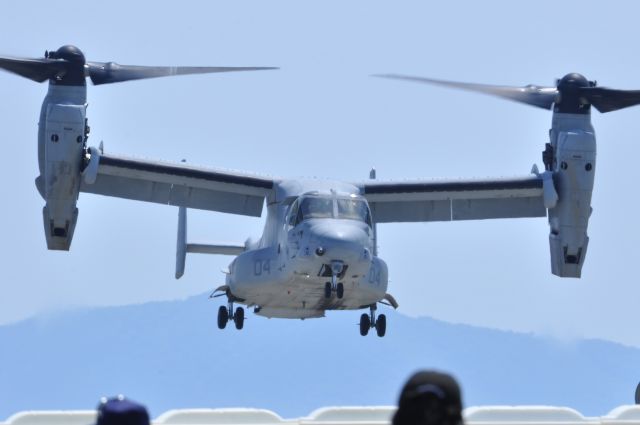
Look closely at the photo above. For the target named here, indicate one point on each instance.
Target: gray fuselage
(285, 272)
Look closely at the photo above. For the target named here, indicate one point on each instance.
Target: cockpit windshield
(319, 206)
(354, 209)
(316, 207)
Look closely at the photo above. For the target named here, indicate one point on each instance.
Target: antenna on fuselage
(372, 176)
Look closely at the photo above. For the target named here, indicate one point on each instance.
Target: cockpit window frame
(296, 215)
(293, 212)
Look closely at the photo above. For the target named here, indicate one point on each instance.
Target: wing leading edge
(176, 184)
(451, 200)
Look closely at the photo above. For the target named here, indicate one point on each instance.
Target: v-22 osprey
(318, 249)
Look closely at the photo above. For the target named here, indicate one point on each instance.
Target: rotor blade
(38, 70)
(607, 100)
(542, 97)
(111, 72)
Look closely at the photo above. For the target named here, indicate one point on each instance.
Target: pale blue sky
(321, 105)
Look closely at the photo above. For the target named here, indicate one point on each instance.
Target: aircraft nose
(339, 241)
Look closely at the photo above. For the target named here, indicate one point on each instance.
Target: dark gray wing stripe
(175, 170)
(385, 188)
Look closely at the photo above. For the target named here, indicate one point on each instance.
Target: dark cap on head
(429, 398)
(120, 411)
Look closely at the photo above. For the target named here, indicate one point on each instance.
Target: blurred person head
(429, 398)
(121, 411)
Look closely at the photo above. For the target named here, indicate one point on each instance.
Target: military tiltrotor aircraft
(318, 249)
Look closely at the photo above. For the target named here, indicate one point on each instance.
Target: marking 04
(261, 266)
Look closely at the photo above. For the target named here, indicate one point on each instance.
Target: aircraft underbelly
(292, 289)
(307, 293)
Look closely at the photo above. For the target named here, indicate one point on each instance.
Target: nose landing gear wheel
(340, 290)
(381, 325)
(327, 290)
(365, 324)
(238, 318)
(223, 317)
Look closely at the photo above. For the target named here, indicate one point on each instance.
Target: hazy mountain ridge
(171, 355)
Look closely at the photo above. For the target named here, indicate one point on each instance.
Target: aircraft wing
(449, 200)
(177, 184)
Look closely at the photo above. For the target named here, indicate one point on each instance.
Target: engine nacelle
(573, 172)
(62, 155)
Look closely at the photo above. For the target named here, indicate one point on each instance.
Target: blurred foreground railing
(487, 415)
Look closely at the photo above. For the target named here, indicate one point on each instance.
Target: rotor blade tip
(384, 75)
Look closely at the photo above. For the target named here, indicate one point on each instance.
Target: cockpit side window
(299, 217)
(293, 212)
(354, 209)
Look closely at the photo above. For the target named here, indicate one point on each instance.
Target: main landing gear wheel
(238, 318)
(381, 325)
(365, 324)
(226, 314)
(369, 321)
(223, 317)
(327, 290)
(340, 290)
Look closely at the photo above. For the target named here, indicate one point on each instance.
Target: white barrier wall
(488, 415)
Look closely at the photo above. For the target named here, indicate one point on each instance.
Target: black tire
(327, 290)
(381, 325)
(340, 290)
(365, 324)
(238, 318)
(223, 317)
(638, 394)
